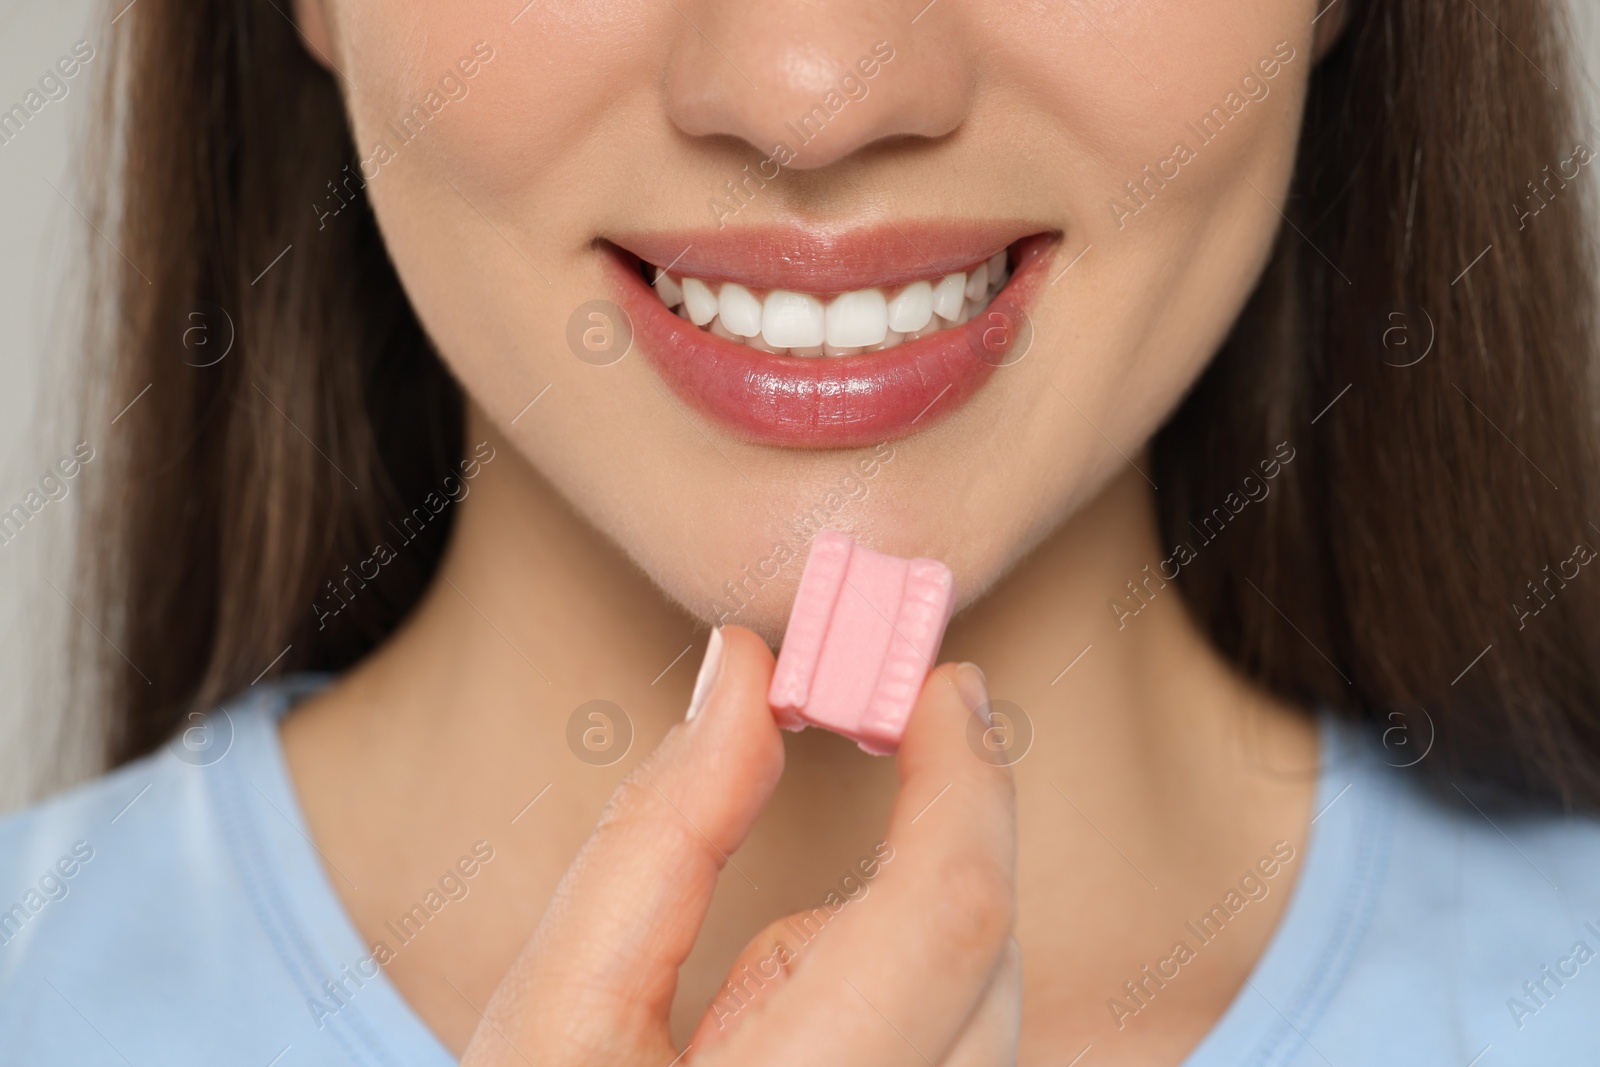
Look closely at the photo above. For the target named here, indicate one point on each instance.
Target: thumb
(599, 973)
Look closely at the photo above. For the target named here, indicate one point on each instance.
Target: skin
(592, 550)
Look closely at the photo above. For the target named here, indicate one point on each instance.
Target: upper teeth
(863, 320)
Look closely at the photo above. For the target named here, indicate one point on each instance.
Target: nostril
(809, 88)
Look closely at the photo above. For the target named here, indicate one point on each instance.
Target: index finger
(899, 972)
(600, 971)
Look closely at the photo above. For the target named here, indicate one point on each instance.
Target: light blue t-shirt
(176, 913)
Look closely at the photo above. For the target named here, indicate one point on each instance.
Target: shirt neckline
(299, 907)
(1291, 985)
(1330, 908)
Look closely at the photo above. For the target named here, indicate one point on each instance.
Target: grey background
(41, 238)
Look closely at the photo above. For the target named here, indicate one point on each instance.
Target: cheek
(1172, 178)
(554, 77)
(488, 211)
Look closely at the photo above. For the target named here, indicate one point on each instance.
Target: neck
(467, 714)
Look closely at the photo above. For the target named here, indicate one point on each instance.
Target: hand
(923, 970)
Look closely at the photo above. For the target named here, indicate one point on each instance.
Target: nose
(820, 80)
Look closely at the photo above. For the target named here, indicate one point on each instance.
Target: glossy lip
(825, 402)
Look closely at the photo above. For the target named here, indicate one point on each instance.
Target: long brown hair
(1404, 561)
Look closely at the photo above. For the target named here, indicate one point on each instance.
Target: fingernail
(974, 689)
(706, 680)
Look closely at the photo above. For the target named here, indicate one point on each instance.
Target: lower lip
(832, 402)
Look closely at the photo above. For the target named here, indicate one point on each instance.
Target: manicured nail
(706, 680)
(974, 689)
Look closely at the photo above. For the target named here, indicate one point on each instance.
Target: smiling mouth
(793, 337)
(810, 325)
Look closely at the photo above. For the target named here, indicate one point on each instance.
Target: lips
(852, 395)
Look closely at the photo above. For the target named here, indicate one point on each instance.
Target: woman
(479, 368)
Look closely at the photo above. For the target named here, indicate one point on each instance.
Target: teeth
(699, 301)
(890, 339)
(948, 296)
(978, 282)
(670, 292)
(858, 319)
(848, 324)
(911, 310)
(740, 310)
(792, 320)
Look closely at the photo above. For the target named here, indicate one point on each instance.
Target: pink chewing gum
(862, 636)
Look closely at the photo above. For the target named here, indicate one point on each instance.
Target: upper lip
(811, 260)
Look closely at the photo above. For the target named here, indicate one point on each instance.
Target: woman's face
(531, 166)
